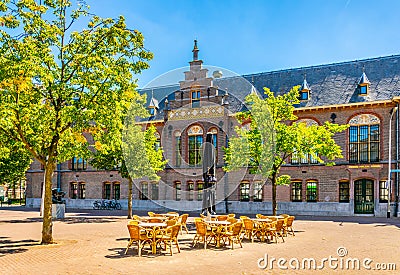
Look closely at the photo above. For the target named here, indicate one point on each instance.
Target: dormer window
(153, 105)
(304, 91)
(304, 95)
(363, 85)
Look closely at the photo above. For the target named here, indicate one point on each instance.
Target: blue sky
(256, 36)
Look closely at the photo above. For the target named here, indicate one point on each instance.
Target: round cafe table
(152, 229)
(219, 229)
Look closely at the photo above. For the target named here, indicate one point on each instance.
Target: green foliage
(60, 82)
(139, 152)
(14, 161)
(62, 86)
(274, 136)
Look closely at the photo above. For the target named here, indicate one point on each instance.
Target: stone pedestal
(58, 211)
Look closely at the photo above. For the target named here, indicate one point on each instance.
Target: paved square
(93, 242)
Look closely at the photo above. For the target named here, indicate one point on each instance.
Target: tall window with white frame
(195, 138)
(214, 141)
(144, 190)
(82, 190)
(78, 164)
(244, 191)
(200, 190)
(190, 188)
(178, 190)
(178, 149)
(73, 190)
(107, 190)
(116, 190)
(296, 191)
(383, 191)
(312, 191)
(154, 190)
(364, 138)
(258, 190)
(344, 191)
(306, 158)
(157, 144)
(195, 98)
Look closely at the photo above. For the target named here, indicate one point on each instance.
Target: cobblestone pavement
(94, 242)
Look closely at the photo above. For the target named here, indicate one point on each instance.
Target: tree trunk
(130, 186)
(47, 228)
(274, 203)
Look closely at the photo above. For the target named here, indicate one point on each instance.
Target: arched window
(195, 138)
(244, 191)
(312, 191)
(364, 138)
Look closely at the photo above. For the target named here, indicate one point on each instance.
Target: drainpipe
(397, 164)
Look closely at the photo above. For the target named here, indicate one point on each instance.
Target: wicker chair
(138, 236)
(232, 220)
(222, 218)
(182, 220)
(136, 217)
(233, 233)
(135, 222)
(170, 236)
(250, 229)
(277, 230)
(155, 220)
(202, 234)
(151, 214)
(171, 222)
(288, 226)
(232, 215)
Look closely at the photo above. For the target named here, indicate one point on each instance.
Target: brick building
(362, 93)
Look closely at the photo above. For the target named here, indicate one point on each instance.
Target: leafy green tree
(58, 82)
(14, 161)
(274, 137)
(134, 143)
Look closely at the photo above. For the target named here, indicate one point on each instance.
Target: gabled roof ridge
(324, 65)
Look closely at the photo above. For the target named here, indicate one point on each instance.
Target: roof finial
(363, 68)
(305, 75)
(195, 51)
(152, 93)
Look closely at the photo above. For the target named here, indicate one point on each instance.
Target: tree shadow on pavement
(11, 247)
(88, 220)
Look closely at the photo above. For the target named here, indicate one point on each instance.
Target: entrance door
(364, 196)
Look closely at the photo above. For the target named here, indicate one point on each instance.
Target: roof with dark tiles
(329, 84)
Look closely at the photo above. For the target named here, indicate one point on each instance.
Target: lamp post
(390, 160)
